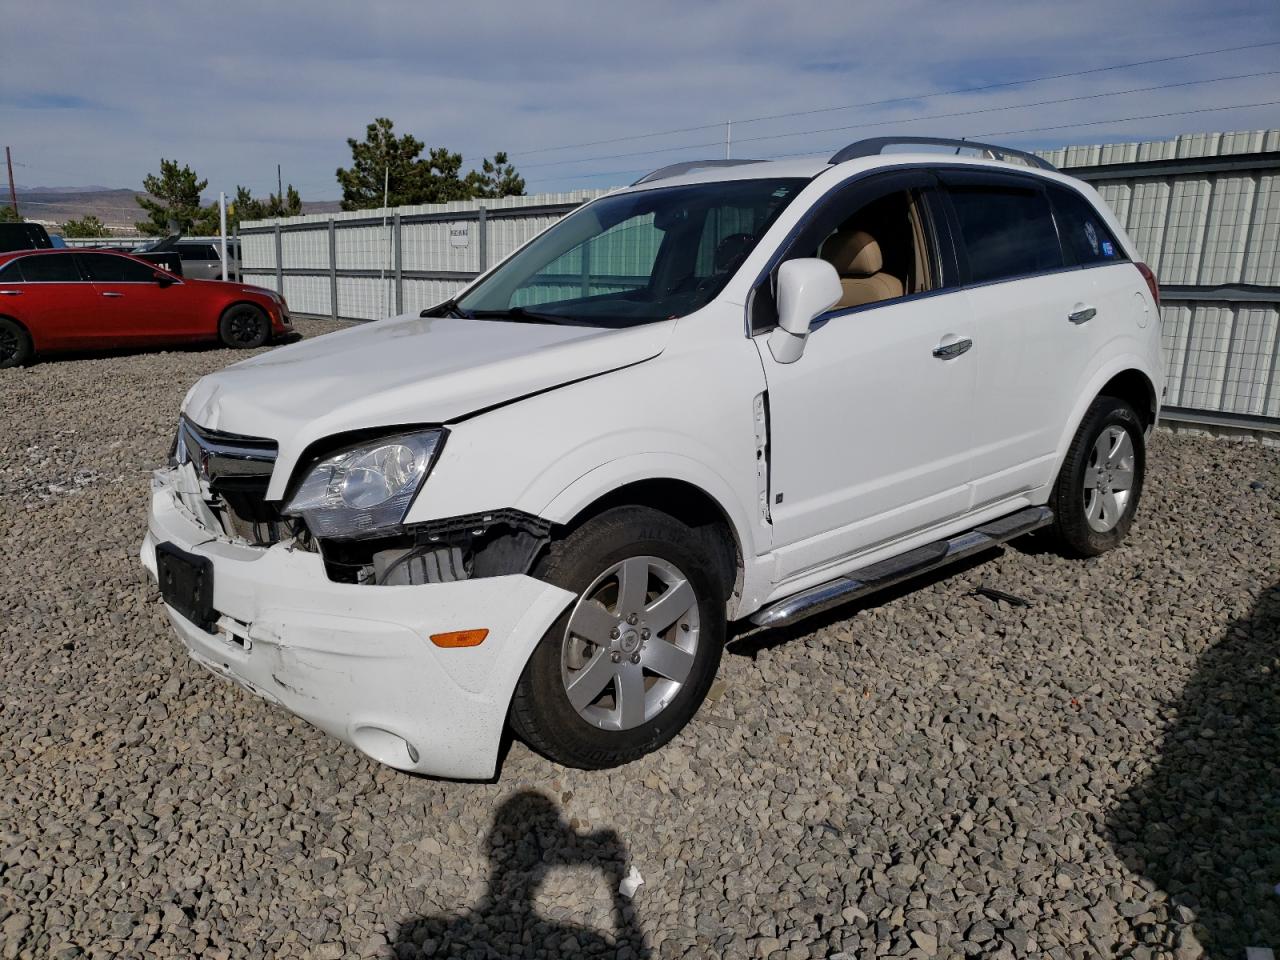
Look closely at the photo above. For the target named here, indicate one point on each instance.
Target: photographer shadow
(1204, 825)
(528, 838)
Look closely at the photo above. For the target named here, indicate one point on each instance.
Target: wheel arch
(242, 302)
(1127, 377)
(1136, 387)
(681, 498)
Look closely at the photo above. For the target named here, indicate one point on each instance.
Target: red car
(85, 299)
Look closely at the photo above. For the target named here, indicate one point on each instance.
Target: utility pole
(279, 185)
(728, 139)
(222, 230)
(13, 194)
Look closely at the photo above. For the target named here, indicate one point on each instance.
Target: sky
(95, 93)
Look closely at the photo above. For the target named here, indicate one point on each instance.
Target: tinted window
(1007, 232)
(197, 251)
(54, 268)
(1083, 233)
(23, 236)
(108, 268)
(11, 273)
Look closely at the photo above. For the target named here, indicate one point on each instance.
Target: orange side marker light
(459, 638)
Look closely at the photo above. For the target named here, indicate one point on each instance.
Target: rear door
(48, 295)
(870, 429)
(134, 307)
(1021, 291)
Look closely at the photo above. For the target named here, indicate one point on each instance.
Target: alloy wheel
(245, 326)
(1108, 478)
(630, 643)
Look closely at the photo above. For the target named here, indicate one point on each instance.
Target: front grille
(238, 471)
(217, 455)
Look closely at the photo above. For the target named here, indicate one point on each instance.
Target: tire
(683, 569)
(15, 344)
(1093, 507)
(244, 327)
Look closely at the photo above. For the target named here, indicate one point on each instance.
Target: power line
(878, 103)
(1150, 116)
(992, 133)
(917, 119)
(1015, 106)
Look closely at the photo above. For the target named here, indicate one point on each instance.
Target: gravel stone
(929, 773)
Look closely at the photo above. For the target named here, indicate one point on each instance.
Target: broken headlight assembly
(366, 488)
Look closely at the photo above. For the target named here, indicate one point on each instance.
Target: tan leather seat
(857, 258)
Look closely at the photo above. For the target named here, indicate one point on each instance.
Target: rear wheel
(1098, 490)
(15, 344)
(627, 665)
(244, 326)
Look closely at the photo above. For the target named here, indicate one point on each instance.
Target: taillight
(1149, 276)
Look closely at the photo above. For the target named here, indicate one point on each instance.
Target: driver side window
(879, 239)
(879, 250)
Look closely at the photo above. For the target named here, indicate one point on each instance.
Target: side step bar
(886, 573)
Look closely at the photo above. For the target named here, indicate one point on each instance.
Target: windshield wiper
(521, 315)
(449, 308)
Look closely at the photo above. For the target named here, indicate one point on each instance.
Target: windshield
(634, 258)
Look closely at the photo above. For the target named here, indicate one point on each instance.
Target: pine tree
(174, 198)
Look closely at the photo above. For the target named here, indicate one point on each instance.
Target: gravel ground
(934, 774)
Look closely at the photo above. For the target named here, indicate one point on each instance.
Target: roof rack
(675, 169)
(876, 145)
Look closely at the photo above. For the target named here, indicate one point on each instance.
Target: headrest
(853, 252)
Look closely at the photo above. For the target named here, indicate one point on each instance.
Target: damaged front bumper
(357, 661)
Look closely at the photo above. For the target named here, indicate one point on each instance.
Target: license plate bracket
(186, 584)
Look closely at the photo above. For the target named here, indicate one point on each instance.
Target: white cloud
(233, 88)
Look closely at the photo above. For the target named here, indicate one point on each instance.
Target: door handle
(952, 348)
(111, 293)
(1082, 314)
(10, 293)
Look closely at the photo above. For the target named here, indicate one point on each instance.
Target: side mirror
(807, 288)
(162, 277)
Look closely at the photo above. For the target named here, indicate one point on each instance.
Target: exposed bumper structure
(357, 661)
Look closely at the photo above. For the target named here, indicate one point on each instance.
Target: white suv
(733, 391)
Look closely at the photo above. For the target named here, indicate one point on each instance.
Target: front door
(134, 307)
(870, 429)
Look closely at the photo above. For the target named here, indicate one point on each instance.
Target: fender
(754, 540)
(1093, 386)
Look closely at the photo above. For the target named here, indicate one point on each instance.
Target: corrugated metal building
(1204, 209)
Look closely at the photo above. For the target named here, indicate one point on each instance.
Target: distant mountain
(56, 205)
(115, 207)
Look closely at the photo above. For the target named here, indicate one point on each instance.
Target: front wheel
(627, 665)
(1100, 484)
(244, 326)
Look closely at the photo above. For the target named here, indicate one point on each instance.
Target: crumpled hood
(404, 370)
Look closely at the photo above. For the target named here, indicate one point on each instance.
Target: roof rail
(876, 145)
(675, 169)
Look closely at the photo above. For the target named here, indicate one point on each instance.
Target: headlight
(366, 488)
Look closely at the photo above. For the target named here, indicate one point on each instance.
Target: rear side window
(108, 268)
(55, 268)
(1007, 232)
(197, 251)
(1084, 234)
(11, 272)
